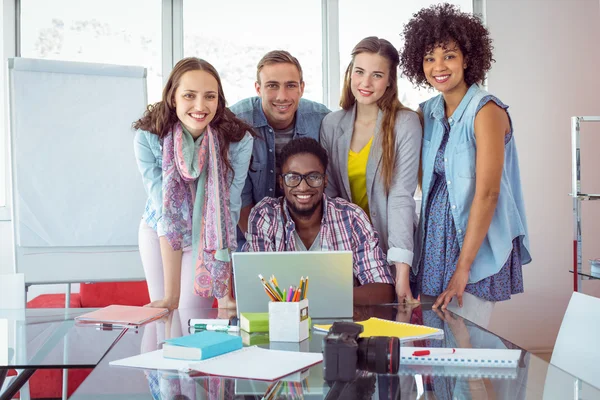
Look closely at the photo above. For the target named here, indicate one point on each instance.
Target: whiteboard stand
(77, 194)
(68, 296)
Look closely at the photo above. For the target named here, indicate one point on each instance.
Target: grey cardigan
(392, 215)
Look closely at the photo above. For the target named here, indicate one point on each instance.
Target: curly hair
(160, 117)
(304, 145)
(437, 26)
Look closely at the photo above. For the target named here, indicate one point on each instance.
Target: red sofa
(47, 383)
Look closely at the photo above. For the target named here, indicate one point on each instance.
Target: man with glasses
(278, 114)
(305, 219)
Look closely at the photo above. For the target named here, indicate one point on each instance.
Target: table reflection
(410, 383)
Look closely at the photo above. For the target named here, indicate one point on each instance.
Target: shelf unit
(578, 197)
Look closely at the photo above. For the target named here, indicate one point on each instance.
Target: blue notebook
(200, 346)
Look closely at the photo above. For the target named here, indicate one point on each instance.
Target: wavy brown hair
(160, 117)
(389, 103)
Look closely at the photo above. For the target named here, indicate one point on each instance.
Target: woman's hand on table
(456, 287)
(169, 303)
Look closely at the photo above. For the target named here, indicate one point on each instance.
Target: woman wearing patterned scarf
(193, 154)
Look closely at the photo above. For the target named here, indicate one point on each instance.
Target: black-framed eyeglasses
(314, 179)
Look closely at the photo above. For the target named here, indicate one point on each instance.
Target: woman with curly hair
(472, 232)
(193, 154)
(373, 143)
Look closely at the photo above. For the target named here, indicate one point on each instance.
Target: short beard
(303, 214)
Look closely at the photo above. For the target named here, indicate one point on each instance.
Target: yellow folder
(382, 327)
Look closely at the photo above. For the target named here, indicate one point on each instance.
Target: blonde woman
(374, 146)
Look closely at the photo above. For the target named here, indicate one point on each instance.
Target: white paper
(3, 342)
(494, 358)
(153, 360)
(247, 363)
(257, 363)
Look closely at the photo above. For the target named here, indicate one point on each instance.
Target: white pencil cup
(288, 321)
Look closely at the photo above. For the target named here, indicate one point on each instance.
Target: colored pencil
(305, 288)
(269, 288)
(276, 286)
(269, 294)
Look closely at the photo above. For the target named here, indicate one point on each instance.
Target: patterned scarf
(196, 200)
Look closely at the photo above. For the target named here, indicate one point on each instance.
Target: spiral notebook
(459, 372)
(383, 327)
(493, 358)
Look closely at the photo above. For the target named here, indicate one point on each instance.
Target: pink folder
(122, 315)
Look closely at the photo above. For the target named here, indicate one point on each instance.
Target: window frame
(172, 51)
(8, 48)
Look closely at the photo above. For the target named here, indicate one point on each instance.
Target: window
(385, 19)
(233, 37)
(7, 49)
(110, 31)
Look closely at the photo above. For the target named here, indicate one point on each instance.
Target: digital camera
(344, 353)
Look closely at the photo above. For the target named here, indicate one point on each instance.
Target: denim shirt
(508, 221)
(148, 154)
(261, 178)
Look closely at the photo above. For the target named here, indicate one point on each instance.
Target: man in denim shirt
(278, 114)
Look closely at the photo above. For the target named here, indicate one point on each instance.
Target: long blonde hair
(389, 103)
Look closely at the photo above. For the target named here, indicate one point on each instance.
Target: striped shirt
(344, 226)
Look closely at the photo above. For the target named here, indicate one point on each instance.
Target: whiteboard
(77, 194)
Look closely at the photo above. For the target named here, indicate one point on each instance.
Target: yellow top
(357, 175)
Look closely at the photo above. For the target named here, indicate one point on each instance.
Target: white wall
(547, 61)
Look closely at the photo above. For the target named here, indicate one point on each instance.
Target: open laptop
(330, 273)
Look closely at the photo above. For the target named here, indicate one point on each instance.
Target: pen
(209, 321)
(218, 328)
(420, 353)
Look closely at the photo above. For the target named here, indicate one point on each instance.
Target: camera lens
(379, 354)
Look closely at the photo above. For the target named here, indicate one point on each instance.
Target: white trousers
(149, 245)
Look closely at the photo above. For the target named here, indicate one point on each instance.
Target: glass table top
(533, 379)
(49, 338)
(586, 273)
